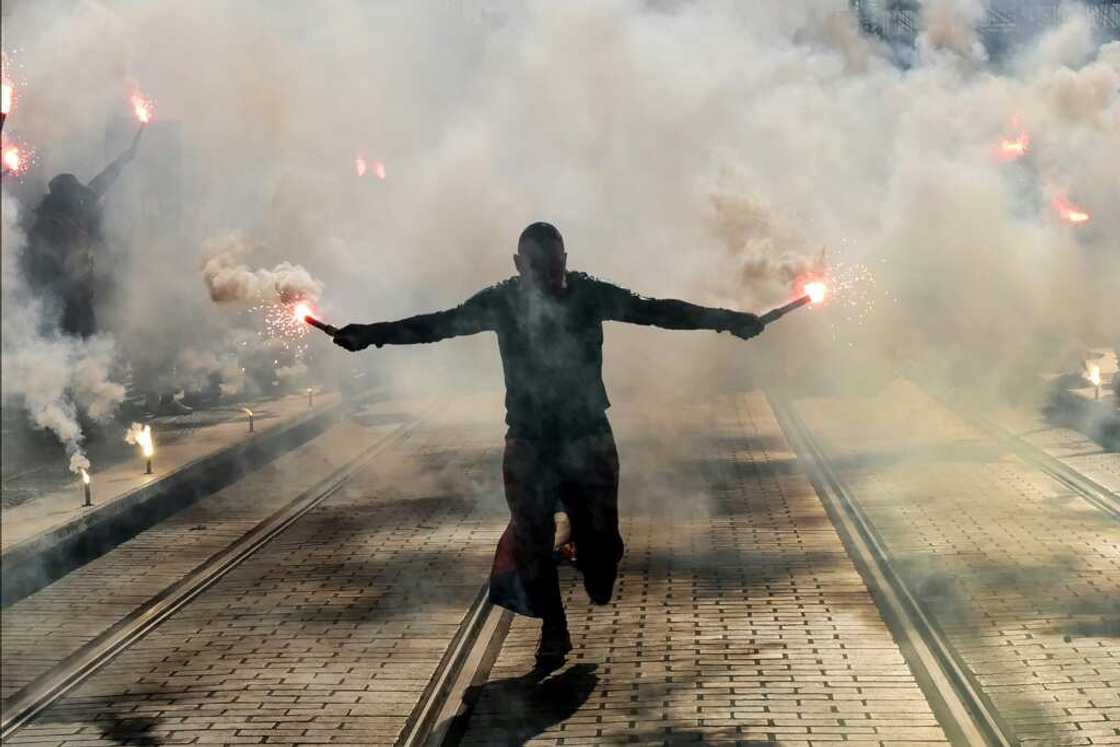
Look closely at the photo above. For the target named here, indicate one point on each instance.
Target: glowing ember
(85, 476)
(1069, 212)
(6, 92)
(142, 107)
(302, 311)
(816, 291)
(360, 165)
(142, 437)
(1011, 148)
(145, 441)
(1094, 374)
(13, 159)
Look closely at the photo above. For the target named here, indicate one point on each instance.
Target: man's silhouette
(559, 447)
(67, 243)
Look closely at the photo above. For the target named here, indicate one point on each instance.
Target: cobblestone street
(743, 613)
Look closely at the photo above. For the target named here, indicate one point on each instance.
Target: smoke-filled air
(376, 160)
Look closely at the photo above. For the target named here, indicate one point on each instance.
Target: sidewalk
(194, 455)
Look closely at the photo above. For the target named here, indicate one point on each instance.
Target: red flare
(142, 107)
(1069, 212)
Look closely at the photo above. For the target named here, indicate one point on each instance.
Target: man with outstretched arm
(559, 446)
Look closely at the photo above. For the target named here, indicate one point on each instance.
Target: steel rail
(468, 658)
(1089, 489)
(963, 710)
(31, 700)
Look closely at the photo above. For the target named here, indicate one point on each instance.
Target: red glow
(1069, 212)
(142, 107)
(1017, 145)
(302, 311)
(7, 92)
(816, 291)
(379, 169)
(360, 165)
(14, 159)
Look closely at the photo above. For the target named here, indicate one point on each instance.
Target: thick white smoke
(56, 378)
(228, 279)
(618, 120)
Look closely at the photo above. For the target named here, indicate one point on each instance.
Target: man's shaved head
(543, 236)
(540, 257)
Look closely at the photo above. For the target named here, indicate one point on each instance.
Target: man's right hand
(353, 337)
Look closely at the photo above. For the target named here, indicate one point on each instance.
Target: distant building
(1006, 23)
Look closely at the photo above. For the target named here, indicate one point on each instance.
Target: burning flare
(85, 477)
(1094, 374)
(302, 311)
(379, 169)
(1011, 148)
(1069, 212)
(360, 165)
(142, 107)
(6, 92)
(13, 159)
(816, 291)
(141, 435)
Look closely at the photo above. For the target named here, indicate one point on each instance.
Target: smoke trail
(52, 376)
(229, 280)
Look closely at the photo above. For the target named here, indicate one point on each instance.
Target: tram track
(25, 704)
(965, 712)
(1092, 491)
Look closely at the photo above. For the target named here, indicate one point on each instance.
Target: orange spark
(13, 159)
(1069, 212)
(1018, 144)
(816, 291)
(302, 311)
(142, 107)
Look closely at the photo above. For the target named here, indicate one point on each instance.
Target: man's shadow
(514, 710)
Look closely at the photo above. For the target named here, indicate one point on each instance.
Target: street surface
(742, 614)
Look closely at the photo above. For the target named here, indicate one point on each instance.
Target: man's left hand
(747, 326)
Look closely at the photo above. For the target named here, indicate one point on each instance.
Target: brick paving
(1022, 575)
(42, 629)
(738, 618)
(1071, 447)
(329, 633)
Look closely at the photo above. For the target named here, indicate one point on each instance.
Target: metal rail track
(444, 708)
(27, 703)
(1092, 491)
(966, 714)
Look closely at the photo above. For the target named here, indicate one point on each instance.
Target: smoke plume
(228, 280)
(55, 378)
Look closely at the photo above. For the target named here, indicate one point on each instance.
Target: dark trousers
(580, 472)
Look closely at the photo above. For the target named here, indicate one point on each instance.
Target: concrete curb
(31, 564)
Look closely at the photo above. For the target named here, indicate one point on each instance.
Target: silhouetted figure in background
(559, 447)
(66, 242)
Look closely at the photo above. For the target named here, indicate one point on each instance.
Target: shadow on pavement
(529, 704)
